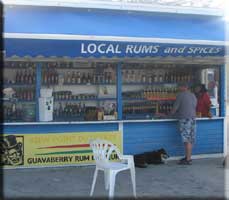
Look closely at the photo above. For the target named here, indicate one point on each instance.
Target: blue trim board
(38, 87)
(58, 128)
(142, 137)
(119, 90)
(73, 21)
(222, 91)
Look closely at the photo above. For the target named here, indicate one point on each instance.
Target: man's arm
(176, 105)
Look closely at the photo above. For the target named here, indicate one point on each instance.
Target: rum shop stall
(73, 74)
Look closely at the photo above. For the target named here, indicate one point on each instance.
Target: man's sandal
(184, 161)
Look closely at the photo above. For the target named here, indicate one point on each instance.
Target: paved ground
(205, 178)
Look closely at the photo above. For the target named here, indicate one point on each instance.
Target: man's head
(200, 88)
(183, 87)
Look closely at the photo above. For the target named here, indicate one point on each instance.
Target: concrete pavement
(205, 178)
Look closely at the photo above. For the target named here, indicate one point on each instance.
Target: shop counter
(137, 136)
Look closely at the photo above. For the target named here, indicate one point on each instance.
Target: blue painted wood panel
(59, 128)
(48, 20)
(141, 137)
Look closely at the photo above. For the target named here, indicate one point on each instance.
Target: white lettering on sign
(101, 48)
(82, 48)
(174, 50)
(91, 48)
(142, 49)
(110, 49)
(203, 50)
(129, 49)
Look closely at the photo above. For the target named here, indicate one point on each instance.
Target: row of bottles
(160, 92)
(88, 78)
(26, 76)
(12, 113)
(67, 95)
(50, 76)
(25, 94)
(153, 92)
(72, 65)
(139, 108)
(147, 108)
(165, 108)
(140, 76)
(81, 111)
(25, 64)
(69, 110)
(19, 64)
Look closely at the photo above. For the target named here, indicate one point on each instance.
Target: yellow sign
(52, 149)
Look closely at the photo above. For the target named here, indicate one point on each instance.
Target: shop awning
(70, 32)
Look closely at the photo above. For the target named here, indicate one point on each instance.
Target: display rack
(93, 91)
(154, 85)
(81, 91)
(19, 91)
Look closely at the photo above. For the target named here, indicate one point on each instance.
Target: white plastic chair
(102, 150)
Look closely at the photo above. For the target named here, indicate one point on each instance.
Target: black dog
(140, 160)
(153, 157)
(156, 157)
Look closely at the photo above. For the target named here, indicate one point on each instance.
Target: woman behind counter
(203, 101)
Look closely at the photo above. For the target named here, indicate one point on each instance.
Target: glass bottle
(88, 78)
(30, 77)
(84, 78)
(73, 80)
(94, 78)
(160, 78)
(68, 77)
(48, 75)
(143, 78)
(150, 79)
(78, 78)
(155, 79)
(110, 78)
(56, 77)
(52, 77)
(34, 77)
(17, 77)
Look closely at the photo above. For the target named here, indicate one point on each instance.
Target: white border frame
(121, 5)
(110, 38)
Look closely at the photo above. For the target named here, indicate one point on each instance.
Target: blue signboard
(109, 49)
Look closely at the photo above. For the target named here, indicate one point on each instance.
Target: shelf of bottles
(151, 89)
(134, 75)
(68, 96)
(152, 93)
(81, 91)
(19, 101)
(77, 75)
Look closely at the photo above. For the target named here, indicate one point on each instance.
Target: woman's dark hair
(203, 88)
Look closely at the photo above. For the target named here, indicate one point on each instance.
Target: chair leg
(111, 184)
(106, 178)
(94, 180)
(132, 173)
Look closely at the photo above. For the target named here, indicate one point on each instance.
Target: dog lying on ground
(152, 157)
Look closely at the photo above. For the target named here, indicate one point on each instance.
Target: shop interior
(91, 90)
